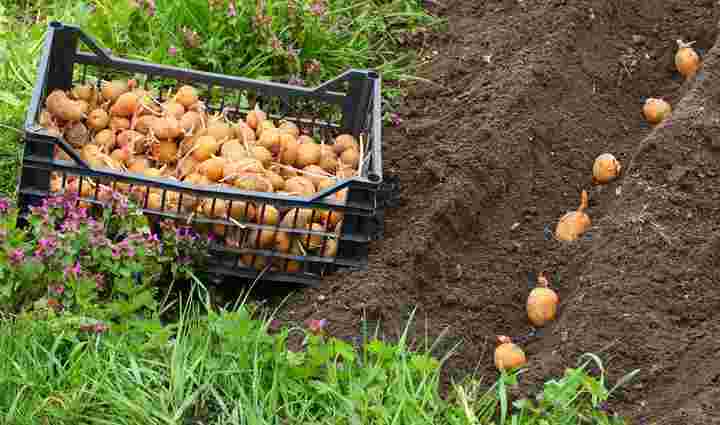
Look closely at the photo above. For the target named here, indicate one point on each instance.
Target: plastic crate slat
(355, 208)
(196, 77)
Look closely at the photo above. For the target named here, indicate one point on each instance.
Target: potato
(276, 179)
(265, 126)
(289, 127)
(112, 90)
(125, 105)
(61, 106)
(175, 109)
(98, 119)
(308, 154)
(133, 140)
(191, 121)
(328, 159)
(267, 214)
(105, 139)
(212, 168)
(315, 174)
(121, 155)
(186, 96)
(165, 151)
(270, 139)
(204, 147)
(138, 164)
(119, 123)
(166, 128)
(350, 158)
(252, 182)
(263, 155)
(145, 123)
(220, 131)
(233, 150)
(344, 142)
(297, 218)
(313, 241)
(84, 92)
(77, 134)
(187, 165)
(300, 186)
(254, 118)
(244, 133)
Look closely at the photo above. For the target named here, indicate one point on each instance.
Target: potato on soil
(98, 119)
(61, 106)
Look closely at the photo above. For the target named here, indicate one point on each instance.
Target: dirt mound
(526, 94)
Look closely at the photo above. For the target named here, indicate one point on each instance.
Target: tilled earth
(524, 95)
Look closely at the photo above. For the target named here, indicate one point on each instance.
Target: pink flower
(232, 10)
(317, 8)
(59, 289)
(172, 51)
(73, 270)
(17, 256)
(317, 327)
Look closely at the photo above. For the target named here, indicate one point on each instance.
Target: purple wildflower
(46, 248)
(101, 328)
(395, 119)
(116, 253)
(317, 8)
(232, 9)
(4, 205)
(99, 281)
(317, 327)
(172, 51)
(274, 325)
(17, 256)
(73, 270)
(59, 289)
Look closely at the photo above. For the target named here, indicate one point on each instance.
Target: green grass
(225, 367)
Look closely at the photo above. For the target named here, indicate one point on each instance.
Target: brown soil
(511, 139)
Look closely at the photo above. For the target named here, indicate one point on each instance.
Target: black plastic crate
(350, 104)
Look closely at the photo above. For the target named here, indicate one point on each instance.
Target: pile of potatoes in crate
(125, 128)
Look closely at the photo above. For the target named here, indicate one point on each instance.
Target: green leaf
(10, 99)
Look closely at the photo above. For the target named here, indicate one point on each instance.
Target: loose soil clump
(525, 95)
